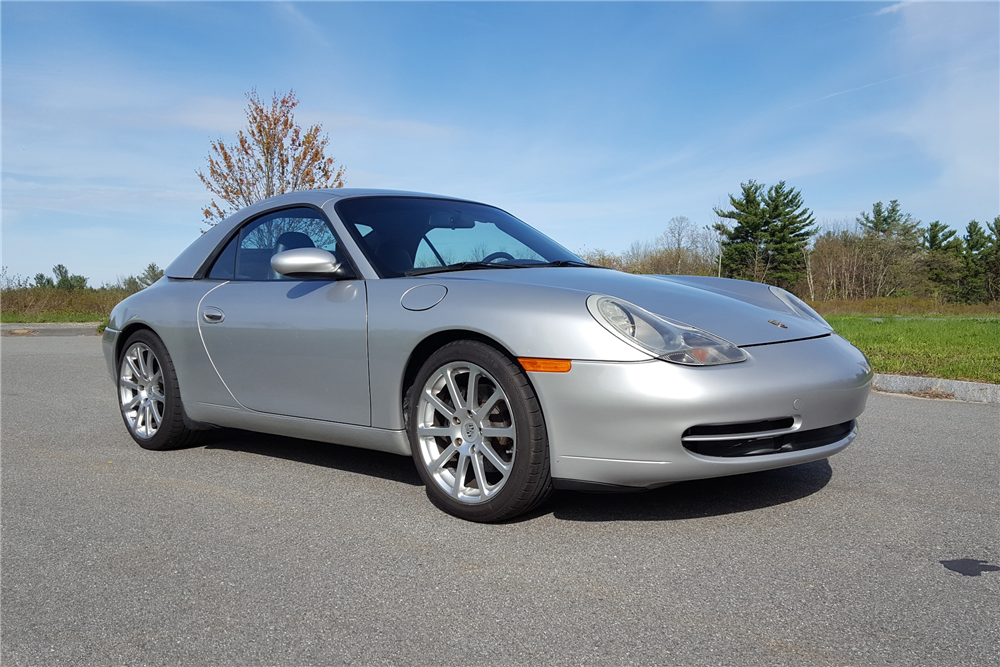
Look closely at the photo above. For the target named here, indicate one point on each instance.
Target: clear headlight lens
(663, 338)
(799, 307)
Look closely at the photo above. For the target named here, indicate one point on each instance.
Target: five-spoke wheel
(477, 433)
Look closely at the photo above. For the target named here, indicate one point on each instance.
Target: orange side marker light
(545, 365)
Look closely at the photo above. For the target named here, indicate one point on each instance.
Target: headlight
(799, 307)
(663, 338)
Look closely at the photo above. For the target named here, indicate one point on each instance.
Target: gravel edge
(973, 392)
(49, 328)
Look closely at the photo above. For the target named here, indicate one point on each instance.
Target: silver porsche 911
(454, 333)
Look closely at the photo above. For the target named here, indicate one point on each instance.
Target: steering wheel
(500, 254)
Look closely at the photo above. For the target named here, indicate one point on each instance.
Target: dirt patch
(33, 329)
(929, 392)
(932, 393)
(19, 332)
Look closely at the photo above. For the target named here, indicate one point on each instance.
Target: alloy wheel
(465, 431)
(140, 384)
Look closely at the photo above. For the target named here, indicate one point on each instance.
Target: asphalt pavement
(258, 550)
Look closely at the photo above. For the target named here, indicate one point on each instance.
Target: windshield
(410, 235)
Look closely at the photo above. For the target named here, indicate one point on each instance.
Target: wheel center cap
(470, 431)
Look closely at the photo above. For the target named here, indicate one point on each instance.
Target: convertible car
(452, 332)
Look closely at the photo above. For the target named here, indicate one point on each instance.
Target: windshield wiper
(461, 266)
(472, 266)
(569, 262)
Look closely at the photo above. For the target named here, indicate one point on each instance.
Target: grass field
(905, 305)
(52, 316)
(48, 304)
(953, 347)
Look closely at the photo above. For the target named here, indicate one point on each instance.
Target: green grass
(952, 347)
(49, 304)
(905, 305)
(52, 316)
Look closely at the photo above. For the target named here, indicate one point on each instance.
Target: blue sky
(595, 122)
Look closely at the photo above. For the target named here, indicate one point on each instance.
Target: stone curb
(49, 328)
(974, 392)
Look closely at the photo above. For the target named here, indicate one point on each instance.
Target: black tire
(482, 492)
(147, 389)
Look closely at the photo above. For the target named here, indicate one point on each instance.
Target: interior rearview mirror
(451, 220)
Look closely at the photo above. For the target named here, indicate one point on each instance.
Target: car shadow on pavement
(693, 500)
(684, 500)
(340, 457)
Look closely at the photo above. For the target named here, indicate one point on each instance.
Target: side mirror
(310, 263)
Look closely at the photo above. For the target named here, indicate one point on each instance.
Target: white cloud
(892, 9)
(957, 120)
(219, 115)
(302, 26)
(396, 128)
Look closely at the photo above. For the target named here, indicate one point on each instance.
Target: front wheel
(477, 434)
(148, 394)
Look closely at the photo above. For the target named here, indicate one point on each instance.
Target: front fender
(526, 320)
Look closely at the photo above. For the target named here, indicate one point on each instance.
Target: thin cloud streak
(892, 9)
(866, 86)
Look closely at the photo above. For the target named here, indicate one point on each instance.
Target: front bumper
(622, 424)
(109, 341)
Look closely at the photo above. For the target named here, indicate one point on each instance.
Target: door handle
(212, 315)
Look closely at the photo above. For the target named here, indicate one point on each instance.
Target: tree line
(767, 235)
(66, 296)
(61, 279)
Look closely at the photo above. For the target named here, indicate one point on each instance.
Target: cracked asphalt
(258, 550)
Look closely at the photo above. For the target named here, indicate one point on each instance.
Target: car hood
(742, 313)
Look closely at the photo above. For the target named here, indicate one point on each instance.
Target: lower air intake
(739, 443)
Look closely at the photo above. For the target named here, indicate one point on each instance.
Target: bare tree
(271, 157)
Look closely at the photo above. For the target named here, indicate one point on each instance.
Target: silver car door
(288, 347)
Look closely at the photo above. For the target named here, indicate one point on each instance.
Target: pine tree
(150, 275)
(890, 222)
(767, 243)
(890, 248)
(992, 260)
(975, 256)
(790, 228)
(937, 237)
(942, 261)
(67, 281)
(744, 247)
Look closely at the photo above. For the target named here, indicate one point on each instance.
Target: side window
(248, 256)
(225, 265)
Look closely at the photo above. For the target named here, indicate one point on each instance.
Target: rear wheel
(148, 394)
(477, 434)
